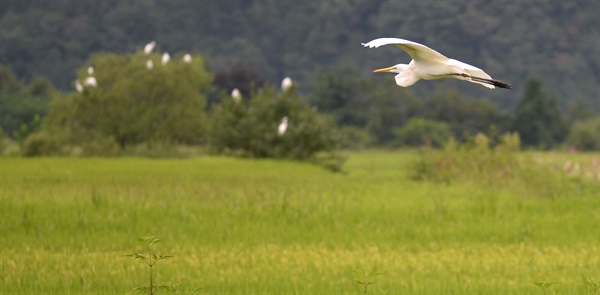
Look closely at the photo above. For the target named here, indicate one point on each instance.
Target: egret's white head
(399, 68)
(78, 86)
(149, 47)
(286, 84)
(405, 76)
(187, 58)
(90, 81)
(90, 70)
(282, 126)
(149, 64)
(165, 58)
(236, 94)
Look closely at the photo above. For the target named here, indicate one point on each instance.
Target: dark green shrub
(419, 132)
(41, 144)
(585, 135)
(249, 128)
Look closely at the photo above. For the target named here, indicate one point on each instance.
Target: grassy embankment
(249, 226)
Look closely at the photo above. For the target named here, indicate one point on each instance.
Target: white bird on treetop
(149, 64)
(78, 86)
(187, 58)
(237, 96)
(90, 81)
(165, 58)
(90, 70)
(286, 84)
(282, 126)
(428, 64)
(149, 47)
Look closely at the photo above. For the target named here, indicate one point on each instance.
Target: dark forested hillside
(557, 41)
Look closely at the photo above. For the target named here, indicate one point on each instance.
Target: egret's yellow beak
(383, 70)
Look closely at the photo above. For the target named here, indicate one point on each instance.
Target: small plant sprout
(173, 288)
(544, 285)
(592, 287)
(150, 258)
(366, 278)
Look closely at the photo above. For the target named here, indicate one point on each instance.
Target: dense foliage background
(556, 40)
(548, 50)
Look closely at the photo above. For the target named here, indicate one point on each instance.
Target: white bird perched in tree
(165, 58)
(286, 84)
(236, 94)
(149, 64)
(90, 81)
(149, 47)
(282, 126)
(90, 70)
(428, 64)
(78, 86)
(187, 58)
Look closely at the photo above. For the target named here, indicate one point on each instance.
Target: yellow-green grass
(238, 226)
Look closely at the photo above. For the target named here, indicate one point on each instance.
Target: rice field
(241, 226)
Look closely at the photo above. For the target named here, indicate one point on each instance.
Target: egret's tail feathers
(489, 83)
(493, 82)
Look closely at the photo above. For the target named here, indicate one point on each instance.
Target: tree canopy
(556, 40)
(133, 104)
(537, 118)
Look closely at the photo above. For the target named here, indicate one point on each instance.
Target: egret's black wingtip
(501, 84)
(495, 83)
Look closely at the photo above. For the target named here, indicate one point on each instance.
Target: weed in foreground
(544, 285)
(150, 257)
(592, 287)
(366, 278)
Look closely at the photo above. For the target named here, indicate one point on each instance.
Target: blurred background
(548, 51)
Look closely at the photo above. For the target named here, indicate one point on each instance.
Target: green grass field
(239, 226)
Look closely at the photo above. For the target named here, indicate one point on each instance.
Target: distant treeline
(146, 104)
(511, 40)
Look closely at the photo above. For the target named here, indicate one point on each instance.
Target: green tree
(537, 118)
(250, 128)
(388, 109)
(464, 116)
(20, 105)
(419, 132)
(585, 135)
(133, 104)
(337, 91)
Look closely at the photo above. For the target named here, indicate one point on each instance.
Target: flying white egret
(236, 94)
(149, 64)
(286, 84)
(149, 47)
(90, 81)
(78, 86)
(165, 58)
(187, 58)
(282, 126)
(90, 70)
(428, 64)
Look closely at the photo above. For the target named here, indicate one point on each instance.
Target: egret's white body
(187, 58)
(286, 84)
(90, 81)
(236, 95)
(149, 47)
(428, 64)
(149, 64)
(78, 86)
(165, 58)
(282, 126)
(90, 70)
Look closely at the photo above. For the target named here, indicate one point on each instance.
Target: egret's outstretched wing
(418, 52)
(469, 69)
(476, 75)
